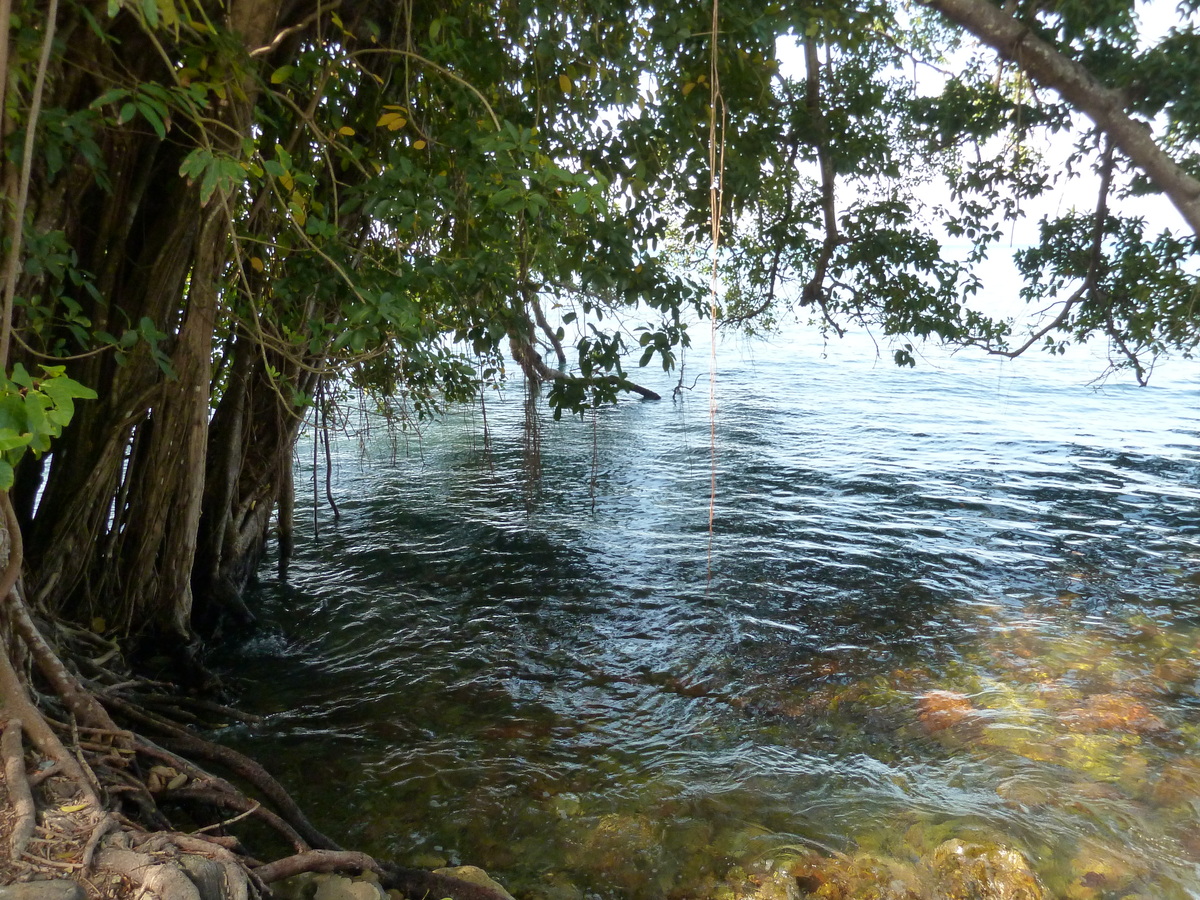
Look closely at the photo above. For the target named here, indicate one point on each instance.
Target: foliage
(34, 411)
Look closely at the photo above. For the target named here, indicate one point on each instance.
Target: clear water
(568, 682)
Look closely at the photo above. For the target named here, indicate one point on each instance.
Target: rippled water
(565, 682)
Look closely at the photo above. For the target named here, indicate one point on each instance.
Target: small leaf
(392, 121)
(688, 88)
(418, 145)
(99, 625)
(565, 83)
(281, 74)
(256, 264)
(74, 807)
(346, 130)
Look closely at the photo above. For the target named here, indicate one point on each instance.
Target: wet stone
(338, 887)
(965, 871)
(474, 875)
(938, 710)
(1114, 712)
(863, 876)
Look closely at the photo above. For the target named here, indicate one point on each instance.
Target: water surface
(959, 600)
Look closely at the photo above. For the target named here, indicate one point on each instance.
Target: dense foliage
(226, 210)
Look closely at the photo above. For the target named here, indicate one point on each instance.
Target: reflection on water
(956, 602)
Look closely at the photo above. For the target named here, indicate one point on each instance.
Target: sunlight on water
(955, 602)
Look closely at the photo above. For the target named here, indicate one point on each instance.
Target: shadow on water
(927, 611)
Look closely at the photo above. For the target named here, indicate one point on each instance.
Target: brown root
(19, 794)
(239, 803)
(317, 861)
(184, 742)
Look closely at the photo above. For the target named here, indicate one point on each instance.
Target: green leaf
(63, 389)
(6, 475)
(150, 114)
(150, 8)
(11, 440)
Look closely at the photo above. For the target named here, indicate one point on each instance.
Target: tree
(221, 215)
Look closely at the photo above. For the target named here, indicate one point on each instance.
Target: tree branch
(1015, 40)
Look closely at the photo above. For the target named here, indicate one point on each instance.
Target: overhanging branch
(1015, 40)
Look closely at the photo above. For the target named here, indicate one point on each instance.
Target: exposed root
(183, 741)
(69, 819)
(227, 800)
(19, 794)
(107, 824)
(317, 861)
(16, 704)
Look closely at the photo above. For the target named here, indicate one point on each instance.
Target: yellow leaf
(418, 145)
(280, 75)
(256, 264)
(99, 625)
(299, 216)
(74, 807)
(565, 83)
(392, 121)
(688, 88)
(286, 180)
(346, 130)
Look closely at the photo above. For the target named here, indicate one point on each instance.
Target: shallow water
(567, 682)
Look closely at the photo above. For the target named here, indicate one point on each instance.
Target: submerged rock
(339, 887)
(621, 850)
(474, 875)
(938, 710)
(1113, 712)
(861, 877)
(965, 871)
(768, 886)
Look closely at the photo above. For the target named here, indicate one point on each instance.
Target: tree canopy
(219, 213)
